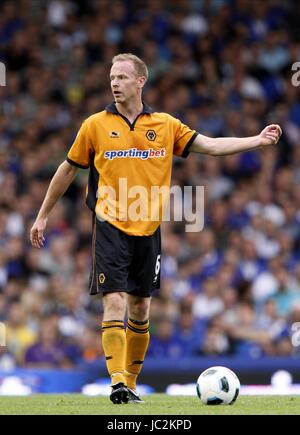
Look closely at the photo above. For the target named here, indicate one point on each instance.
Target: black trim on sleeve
(76, 164)
(186, 149)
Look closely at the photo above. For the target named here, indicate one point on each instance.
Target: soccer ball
(218, 386)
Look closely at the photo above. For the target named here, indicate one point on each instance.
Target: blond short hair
(139, 65)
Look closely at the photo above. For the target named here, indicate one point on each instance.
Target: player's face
(125, 84)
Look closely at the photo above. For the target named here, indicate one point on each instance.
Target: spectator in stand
(49, 351)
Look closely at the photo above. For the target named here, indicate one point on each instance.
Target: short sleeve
(82, 148)
(183, 138)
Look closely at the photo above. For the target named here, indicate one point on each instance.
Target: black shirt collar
(111, 108)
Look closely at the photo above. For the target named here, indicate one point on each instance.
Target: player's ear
(141, 82)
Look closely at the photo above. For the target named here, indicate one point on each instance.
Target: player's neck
(130, 109)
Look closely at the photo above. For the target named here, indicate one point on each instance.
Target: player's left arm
(221, 146)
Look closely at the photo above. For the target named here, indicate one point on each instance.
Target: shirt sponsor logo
(134, 153)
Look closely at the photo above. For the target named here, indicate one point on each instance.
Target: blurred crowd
(224, 68)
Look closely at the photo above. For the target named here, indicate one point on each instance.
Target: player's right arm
(60, 182)
(78, 157)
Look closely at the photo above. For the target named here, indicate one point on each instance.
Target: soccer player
(128, 147)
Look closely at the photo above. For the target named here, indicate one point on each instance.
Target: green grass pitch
(156, 404)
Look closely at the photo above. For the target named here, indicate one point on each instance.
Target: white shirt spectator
(206, 308)
(264, 286)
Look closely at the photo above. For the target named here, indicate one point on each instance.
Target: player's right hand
(37, 233)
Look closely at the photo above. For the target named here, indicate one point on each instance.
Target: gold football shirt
(130, 165)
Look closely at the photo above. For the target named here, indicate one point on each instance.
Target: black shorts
(124, 263)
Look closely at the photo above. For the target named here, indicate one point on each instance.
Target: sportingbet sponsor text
(135, 154)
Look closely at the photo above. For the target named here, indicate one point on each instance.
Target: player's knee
(114, 303)
(139, 309)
